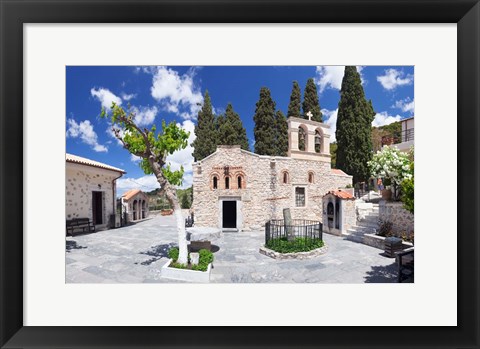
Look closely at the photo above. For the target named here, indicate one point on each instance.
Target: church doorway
(229, 214)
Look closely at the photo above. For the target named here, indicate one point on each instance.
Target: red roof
(130, 194)
(338, 172)
(341, 194)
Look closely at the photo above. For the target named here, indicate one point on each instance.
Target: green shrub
(173, 253)
(178, 265)
(205, 258)
(298, 245)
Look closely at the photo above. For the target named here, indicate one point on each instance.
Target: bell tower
(308, 139)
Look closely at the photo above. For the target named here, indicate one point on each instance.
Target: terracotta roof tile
(84, 161)
(338, 172)
(130, 194)
(341, 194)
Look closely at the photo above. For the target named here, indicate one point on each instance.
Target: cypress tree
(310, 101)
(231, 130)
(281, 134)
(264, 119)
(295, 104)
(354, 127)
(205, 142)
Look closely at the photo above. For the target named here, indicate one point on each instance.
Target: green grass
(298, 245)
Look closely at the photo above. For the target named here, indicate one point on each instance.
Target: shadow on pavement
(72, 245)
(383, 274)
(157, 252)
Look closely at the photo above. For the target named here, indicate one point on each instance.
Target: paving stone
(135, 254)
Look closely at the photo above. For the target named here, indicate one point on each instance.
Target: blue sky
(175, 93)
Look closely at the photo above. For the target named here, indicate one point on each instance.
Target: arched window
(215, 182)
(302, 139)
(310, 177)
(239, 182)
(318, 141)
(227, 182)
(285, 178)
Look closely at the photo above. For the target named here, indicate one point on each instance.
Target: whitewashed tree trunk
(182, 238)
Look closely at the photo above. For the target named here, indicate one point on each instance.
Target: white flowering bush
(392, 165)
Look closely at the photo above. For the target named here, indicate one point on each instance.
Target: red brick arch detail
(243, 177)
(210, 180)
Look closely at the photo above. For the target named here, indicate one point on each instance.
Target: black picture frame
(466, 13)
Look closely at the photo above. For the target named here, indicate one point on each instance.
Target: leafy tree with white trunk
(153, 148)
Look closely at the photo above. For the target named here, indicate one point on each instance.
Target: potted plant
(197, 268)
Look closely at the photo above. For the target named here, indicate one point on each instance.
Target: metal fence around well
(304, 232)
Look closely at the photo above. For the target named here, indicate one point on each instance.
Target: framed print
(45, 43)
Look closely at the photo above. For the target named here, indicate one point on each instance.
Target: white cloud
(394, 78)
(383, 118)
(331, 120)
(176, 92)
(134, 158)
(329, 77)
(146, 183)
(127, 97)
(406, 105)
(110, 132)
(144, 116)
(184, 157)
(105, 97)
(84, 131)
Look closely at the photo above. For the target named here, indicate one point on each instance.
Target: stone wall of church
(263, 193)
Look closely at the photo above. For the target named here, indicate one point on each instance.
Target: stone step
(370, 218)
(364, 224)
(354, 238)
(360, 230)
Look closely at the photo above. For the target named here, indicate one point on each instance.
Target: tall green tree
(295, 101)
(205, 142)
(354, 127)
(231, 130)
(153, 148)
(333, 154)
(264, 119)
(281, 134)
(310, 101)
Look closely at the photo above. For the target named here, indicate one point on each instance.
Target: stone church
(237, 190)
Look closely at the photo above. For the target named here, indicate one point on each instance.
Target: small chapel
(237, 190)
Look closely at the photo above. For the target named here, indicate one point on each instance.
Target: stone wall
(403, 221)
(263, 193)
(80, 182)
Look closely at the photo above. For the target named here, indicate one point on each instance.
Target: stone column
(293, 139)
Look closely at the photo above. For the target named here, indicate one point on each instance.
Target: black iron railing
(398, 137)
(305, 232)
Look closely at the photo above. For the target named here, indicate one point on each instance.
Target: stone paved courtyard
(135, 254)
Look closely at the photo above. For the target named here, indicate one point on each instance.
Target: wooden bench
(79, 225)
(405, 265)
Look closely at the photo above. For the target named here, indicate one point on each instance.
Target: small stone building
(239, 190)
(90, 188)
(339, 212)
(135, 205)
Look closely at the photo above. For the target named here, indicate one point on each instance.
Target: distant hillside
(379, 132)
(160, 202)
